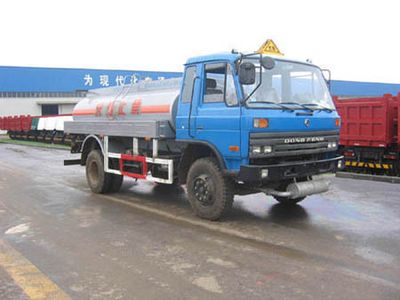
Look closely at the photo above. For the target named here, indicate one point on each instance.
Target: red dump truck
(370, 134)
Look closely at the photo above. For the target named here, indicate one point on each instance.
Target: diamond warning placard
(269, 47)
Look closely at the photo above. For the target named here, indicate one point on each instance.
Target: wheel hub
(204, 190)
(93, 172)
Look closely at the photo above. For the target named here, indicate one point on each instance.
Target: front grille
(293, 143)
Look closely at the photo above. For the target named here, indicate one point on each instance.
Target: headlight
(267, 149)
(332, 145)
(256, 149)
(261, 149)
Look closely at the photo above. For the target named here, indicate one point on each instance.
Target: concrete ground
(60, 241)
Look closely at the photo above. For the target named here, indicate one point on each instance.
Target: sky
(356, 40)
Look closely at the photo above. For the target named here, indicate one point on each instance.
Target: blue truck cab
(269, 122)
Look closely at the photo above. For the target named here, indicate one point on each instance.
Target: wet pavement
(144, 242)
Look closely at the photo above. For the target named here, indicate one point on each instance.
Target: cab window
(188, 84)
(219, 84)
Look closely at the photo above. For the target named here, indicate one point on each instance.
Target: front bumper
(252, 173)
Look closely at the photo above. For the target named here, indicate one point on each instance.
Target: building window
(49, 109)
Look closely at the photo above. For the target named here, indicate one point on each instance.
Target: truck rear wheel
(210, 193)
(99, 181)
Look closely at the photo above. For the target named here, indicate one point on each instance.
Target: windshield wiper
(298, 104)
(319, 107)
(275, 103)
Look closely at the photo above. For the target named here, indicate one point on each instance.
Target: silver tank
(145, 100)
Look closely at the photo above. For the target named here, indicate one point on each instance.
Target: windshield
(289, 83)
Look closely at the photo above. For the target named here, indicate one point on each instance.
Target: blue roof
(33, 79)
(212, 57)
(357, 88)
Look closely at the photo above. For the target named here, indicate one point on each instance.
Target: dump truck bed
(368, 122)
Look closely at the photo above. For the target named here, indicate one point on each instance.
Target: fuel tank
(143, 101)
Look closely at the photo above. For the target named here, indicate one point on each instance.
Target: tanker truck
(234, 124)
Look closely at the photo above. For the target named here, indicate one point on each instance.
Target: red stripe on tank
(84, 112)
(154, 109)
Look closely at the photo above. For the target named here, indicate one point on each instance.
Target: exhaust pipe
(301, 189)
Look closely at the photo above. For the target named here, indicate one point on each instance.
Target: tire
(288, 201)
(116, 182)
(99, 181)
(210, 193)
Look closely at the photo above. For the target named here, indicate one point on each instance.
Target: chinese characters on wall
(106, 80)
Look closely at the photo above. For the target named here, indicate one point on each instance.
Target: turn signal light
(260, 123)
(337, 122)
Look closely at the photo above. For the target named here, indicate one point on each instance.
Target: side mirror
(247, 73)
(268, 63)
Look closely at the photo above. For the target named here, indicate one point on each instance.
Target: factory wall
(33, 106)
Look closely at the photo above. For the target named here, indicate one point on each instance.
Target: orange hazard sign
(269, 47)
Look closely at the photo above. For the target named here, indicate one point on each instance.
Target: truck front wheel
(99, 181)
(210, 193)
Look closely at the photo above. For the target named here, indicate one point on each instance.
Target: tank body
(146, 100)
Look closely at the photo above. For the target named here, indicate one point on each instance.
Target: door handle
(199, 127)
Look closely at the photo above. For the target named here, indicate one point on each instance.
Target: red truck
(370, 134)
(37, 128)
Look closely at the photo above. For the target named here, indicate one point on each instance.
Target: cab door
(217, 118)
